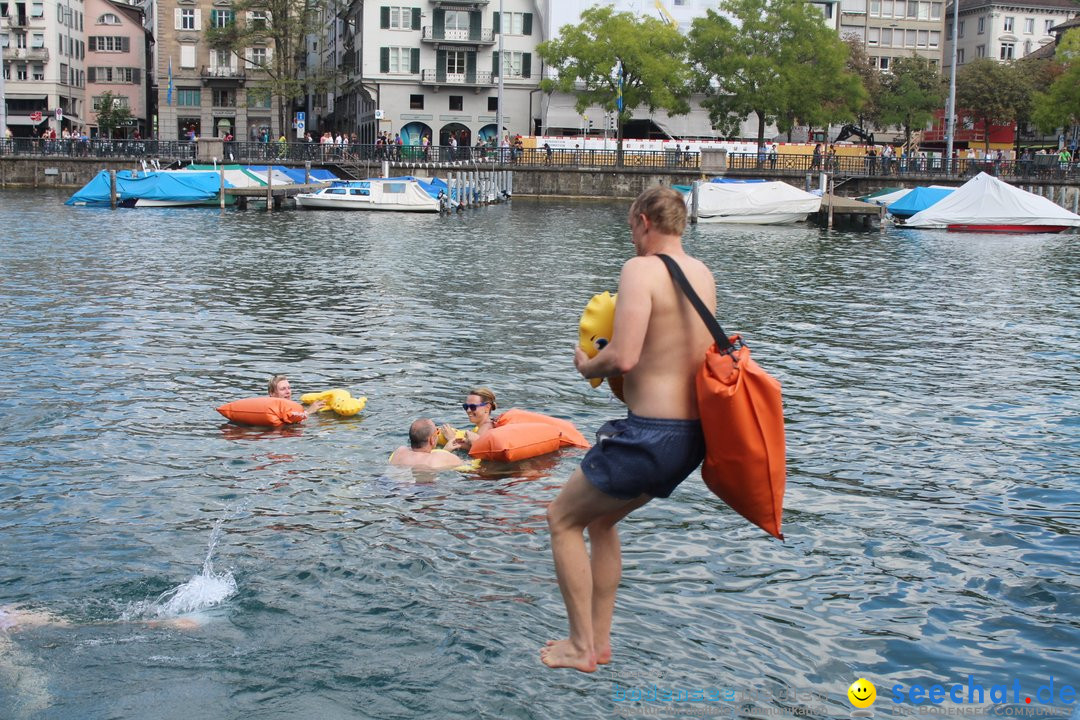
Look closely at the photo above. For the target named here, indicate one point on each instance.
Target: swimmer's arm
(632, 311)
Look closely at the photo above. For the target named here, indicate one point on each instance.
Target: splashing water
(201, 592)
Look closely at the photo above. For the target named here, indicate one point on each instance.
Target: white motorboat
(752, 202)
(403, 194)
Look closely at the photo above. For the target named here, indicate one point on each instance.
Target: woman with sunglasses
(478, 405)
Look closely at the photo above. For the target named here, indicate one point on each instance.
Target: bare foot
(603, 653)
(562, 654)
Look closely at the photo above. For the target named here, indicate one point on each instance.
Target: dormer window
(108, 19)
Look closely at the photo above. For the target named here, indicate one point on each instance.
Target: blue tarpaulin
(189, 187)
(918, 199)
(297, 174)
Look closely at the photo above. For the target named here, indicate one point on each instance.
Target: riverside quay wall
(540, 180)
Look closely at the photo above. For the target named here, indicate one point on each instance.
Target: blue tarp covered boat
(150, 188)
(918, 199)
(296, 174)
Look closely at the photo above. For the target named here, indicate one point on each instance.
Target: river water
(932, 514)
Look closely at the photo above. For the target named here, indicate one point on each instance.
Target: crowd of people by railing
(331, 149)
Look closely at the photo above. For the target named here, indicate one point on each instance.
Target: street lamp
(499, 100)
(950, 107)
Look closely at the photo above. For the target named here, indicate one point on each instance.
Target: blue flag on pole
(618, 92)
(168, 90)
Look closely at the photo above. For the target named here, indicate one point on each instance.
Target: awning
(15, 95)
(24, 120)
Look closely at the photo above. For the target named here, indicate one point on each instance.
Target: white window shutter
(198, 19)
(177, 19)
(248, 55)
(269, 54)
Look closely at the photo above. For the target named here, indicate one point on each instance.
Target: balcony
(477, 79)
(457, 4)
(222, 73)
(35, 54)
(18, 21)
(451, 36)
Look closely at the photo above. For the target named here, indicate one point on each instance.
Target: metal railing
(1039, 167)
(435, 77)
(482, 35)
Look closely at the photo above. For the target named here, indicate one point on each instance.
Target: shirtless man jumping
(658, 344)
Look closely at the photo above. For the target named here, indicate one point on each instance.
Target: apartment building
(43, 52)
(209, 92)
(432, 69)
(117, 55)
(1005, 31)
(892, 29)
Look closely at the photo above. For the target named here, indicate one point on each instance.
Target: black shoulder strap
(721, 338)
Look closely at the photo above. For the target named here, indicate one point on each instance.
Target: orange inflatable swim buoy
(520, 434)
(518, 441)
(265, 410)
(568, 434)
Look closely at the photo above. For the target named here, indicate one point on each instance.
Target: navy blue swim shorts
(643, 455)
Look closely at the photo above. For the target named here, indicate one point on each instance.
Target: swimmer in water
(279, 387)
(478, 405)
(421, 451)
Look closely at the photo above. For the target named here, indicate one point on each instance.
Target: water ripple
(932, 514)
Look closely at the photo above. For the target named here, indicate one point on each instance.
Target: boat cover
(281, 177)
(875, 197)
(316, 174)
(754, 198)
(235, 175)
(985, 200)
(918, 199)
(190, 187)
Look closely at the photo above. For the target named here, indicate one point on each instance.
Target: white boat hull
(387, 194)
(145, 202)
(768, 219)
(316, 202)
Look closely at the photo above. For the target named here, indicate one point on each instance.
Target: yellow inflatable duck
(339, 401)
(595, 330)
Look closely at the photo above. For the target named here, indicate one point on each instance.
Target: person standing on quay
(657, 345)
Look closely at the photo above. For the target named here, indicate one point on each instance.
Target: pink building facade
(117, 56)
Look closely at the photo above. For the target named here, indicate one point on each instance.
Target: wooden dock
(838, 210)
(273, 195)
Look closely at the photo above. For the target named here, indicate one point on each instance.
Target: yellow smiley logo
(862, 693)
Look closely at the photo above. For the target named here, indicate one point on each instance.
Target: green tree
(110, 115)
(267, 37)
(1030, 76)
(1059, 106)
(652, 54)
(910, 94)
(990, 93)
(776, 61)
(859, 63)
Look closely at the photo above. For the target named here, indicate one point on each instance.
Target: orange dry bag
(263, 411)
(742, 417)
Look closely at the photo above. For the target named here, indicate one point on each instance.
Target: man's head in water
(279, 387)
(422, 434)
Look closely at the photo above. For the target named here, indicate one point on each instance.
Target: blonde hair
(664, 207)
(272, 385)
(486, 394)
